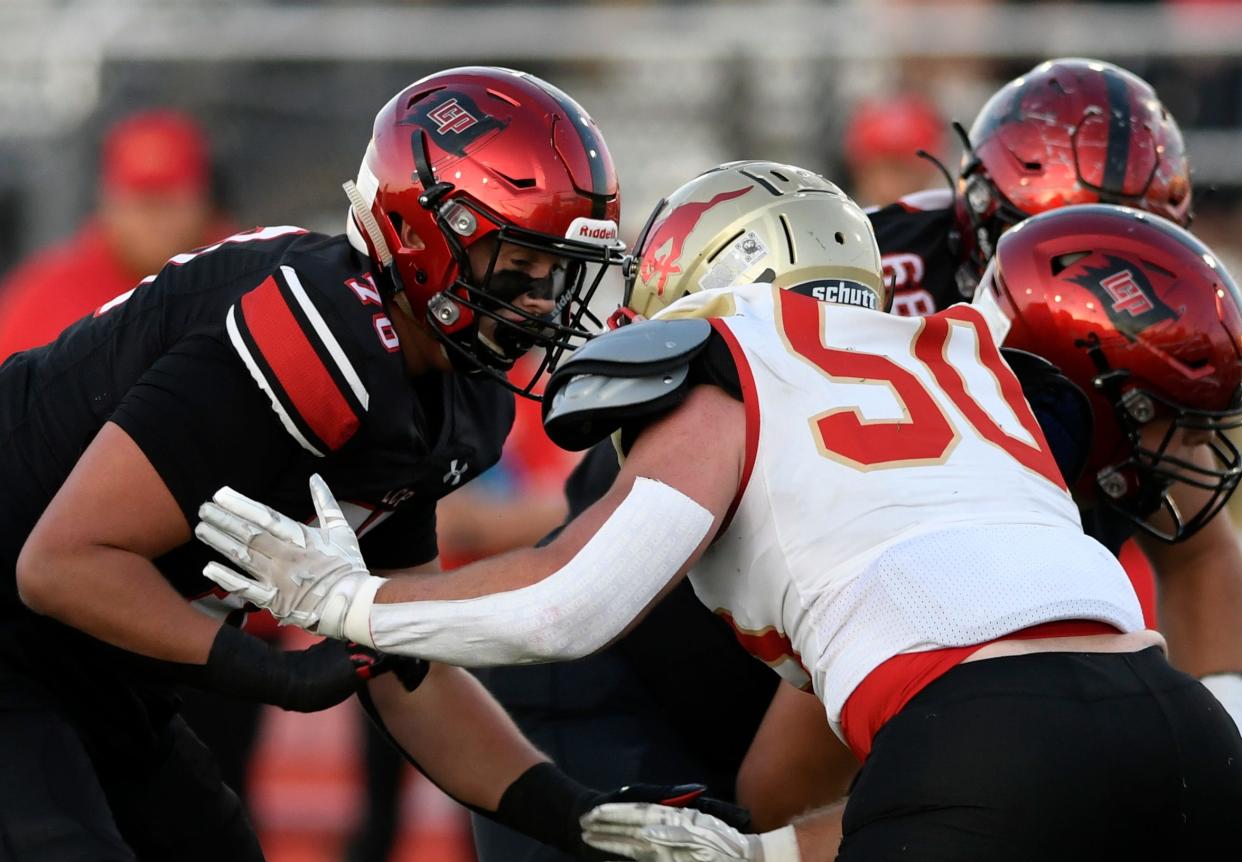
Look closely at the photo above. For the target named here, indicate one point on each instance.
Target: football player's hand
(679, 796)
(306, 576)
(303, 680)
(324, 674)
(656, 833)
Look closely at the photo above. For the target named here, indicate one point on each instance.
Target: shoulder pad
(299, 362)
(632, 373)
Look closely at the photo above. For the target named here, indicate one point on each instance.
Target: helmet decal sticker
(452, 120)
(1125, 294)
(839, 290)
(671, 232)
(742, 254)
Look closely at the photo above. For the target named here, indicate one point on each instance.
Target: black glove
(409, 670)
(306, 680)
(546, 804)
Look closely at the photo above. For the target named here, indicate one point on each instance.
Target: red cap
(894, 127)
(155, 151)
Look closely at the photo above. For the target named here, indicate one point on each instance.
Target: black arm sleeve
(202, 422)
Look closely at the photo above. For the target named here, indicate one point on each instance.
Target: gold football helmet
(754, 221)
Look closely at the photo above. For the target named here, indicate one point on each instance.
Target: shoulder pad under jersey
(629, 374)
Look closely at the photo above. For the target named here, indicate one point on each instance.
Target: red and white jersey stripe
(298, 362)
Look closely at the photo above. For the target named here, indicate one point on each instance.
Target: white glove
(658, 833)
(311, 577)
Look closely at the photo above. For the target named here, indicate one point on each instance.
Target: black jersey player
(484, 214)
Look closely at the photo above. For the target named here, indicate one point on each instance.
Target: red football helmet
(1146, 321)
(1070, 131)
(483, 152)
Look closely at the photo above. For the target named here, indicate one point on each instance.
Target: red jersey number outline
(924, 435)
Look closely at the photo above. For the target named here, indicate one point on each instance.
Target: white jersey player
(900, 496)
(870, 501)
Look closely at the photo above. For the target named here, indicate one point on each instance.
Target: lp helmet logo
(454, 474)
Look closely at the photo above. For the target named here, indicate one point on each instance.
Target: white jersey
(900, 495)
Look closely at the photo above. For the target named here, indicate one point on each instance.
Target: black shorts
(58, 804)
(1061, 756)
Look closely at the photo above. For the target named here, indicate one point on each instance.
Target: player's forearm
(1199, 588)
(117, 597)
(1201, 617)
(456, 733)
(569, 614)
(795, 762)
(560, 602)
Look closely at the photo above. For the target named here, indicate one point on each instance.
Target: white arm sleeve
(569, 614)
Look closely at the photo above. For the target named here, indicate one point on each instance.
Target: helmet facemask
(1139, 486)
(987, 215)
(478, 319)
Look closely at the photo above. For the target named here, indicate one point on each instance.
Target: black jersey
(252, 363)
(915, 236)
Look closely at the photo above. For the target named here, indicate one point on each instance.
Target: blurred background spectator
(155, 199)
(285, 90)
(881, 145)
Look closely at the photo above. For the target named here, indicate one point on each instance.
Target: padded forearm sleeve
(569, 614)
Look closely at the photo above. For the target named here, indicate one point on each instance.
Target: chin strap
(387, 264)
(366, 219)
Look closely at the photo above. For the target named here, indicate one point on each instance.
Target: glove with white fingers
(310, 577)
(657, 833)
